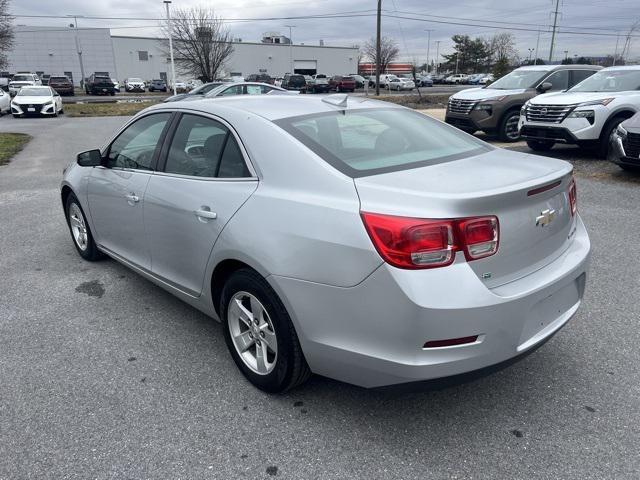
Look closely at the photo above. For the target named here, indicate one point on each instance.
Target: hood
(24, 99)
(572, 98)
(485, 93)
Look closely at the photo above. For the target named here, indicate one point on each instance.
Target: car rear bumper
(373, 334)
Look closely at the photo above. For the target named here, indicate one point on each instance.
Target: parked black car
(259, 77)
(294, 82)
(62, 85)
(158, 86)
(99, 85)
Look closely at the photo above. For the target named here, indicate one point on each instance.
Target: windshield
(610, 81)
(22, 78)
(34, 92)
(519, 79)
(368, 142)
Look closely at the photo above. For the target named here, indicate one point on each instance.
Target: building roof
(285, 45)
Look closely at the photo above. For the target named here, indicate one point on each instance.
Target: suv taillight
(416, 243)
(573, 197)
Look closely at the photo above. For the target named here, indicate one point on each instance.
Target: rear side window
(203, 147)
(367, 142)
(579, 75)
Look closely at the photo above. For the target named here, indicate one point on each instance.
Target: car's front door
(116, 192)
(205, 180)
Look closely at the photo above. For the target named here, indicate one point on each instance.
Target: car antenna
(337, 100)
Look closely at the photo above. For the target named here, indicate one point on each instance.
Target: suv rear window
(372, 141)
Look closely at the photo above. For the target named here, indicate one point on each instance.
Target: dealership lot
(107, 376)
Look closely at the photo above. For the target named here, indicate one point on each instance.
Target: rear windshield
(519, 79)
(58, 79)
(368, 142)
(22, 78)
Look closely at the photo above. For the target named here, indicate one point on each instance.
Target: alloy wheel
(78, 227)
(252, 333)
(511, 127)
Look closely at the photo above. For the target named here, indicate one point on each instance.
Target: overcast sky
(597, 16)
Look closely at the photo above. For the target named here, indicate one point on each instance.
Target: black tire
(630, 168)
(91, 252)
(290, 369)
(605, 136)
(540, 145)
(15, 115)
(502, 129)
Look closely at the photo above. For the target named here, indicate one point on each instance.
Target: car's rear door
(116, 193)
(205, 179)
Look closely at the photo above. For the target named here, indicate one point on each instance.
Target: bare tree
(201, 42)
(389, 51)
(6, 33)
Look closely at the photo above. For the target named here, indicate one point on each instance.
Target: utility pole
(378, 26)
(428, 45)
(535, 60)
(437, 55)
(615, 54)
(457, 58)
(78, 49)
(170, 30)
(290, 49)
(553, 35)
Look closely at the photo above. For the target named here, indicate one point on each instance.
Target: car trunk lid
(528, 194)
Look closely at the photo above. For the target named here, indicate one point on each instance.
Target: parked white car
(586, 115)
(457, 78)
(385, 78)
(23, 80)
(116, 85)
(400, 84)
(36, 100)
(486, 79)
(134, 85)
(5, 102)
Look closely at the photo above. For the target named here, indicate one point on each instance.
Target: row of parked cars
(584, 105)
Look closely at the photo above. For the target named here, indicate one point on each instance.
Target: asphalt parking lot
(104, 375)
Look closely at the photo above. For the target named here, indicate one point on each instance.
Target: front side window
(135, 147)
(367, 142)
(578, 76)
(203, 147)
(559, 80)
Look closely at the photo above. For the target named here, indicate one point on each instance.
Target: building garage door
(305, 67)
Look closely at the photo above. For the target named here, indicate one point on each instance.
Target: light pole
(437, 55)
(566, 55)
(78, 49)
(530, 52)
(535, 61)
(170, 31)
(428, 46)
(290, 49)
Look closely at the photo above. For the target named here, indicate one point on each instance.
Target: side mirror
(544, 86)
(90, 158)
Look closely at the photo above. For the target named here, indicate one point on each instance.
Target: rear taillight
(573, 197)
(415, 243)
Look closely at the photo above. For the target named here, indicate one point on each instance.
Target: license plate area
(31, 109)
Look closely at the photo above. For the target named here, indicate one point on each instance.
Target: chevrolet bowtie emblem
(545, 217)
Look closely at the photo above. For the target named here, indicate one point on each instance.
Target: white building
(53, 51)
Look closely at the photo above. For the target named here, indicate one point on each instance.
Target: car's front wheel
(260, 335)
(80, 231)
(508, 130)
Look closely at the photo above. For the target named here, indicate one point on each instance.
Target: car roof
(277, 107)
(40, 87)
(623, 67)
(549, 68)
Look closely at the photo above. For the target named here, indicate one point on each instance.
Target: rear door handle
(205, 214)
(132, 197)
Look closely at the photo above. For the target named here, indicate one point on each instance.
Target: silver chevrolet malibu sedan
(341, 236)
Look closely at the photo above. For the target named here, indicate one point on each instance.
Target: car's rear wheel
(508, 131)
(540, 145)
(260, 335)
(80, 231)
